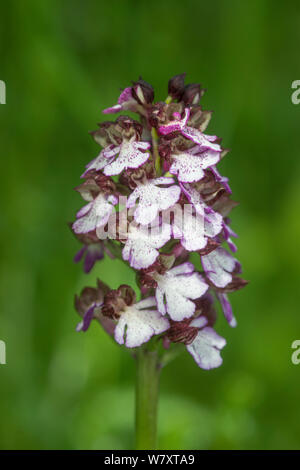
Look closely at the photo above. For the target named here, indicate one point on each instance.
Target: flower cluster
(163, 166)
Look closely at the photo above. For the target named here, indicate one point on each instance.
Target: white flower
(189, 165)
(130, 153)
(153, 198)
(137, 324)
(176, 288)
(219, 266)
(212, 221)
(206, 346)
(141, 247)
(95, 214)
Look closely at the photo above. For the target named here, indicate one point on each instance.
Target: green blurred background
(64, 61)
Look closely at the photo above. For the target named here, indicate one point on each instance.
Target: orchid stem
(147, 386)
(155, 151)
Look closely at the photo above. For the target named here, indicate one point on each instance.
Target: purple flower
(176, 289)
(138, 323)
(228, 233)
(206, 142)
(92, 250)
(219, 266)
(153, 197)
(178, 124)
(125, 102)
(221, 179)
(141, 247)
(227, 310)
(89, 304)
(91, 253)
(177, 203)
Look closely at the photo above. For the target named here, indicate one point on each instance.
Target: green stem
(155, 151)
(147, 384)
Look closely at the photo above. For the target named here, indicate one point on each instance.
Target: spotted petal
(189, 228)
(105, 157)
(95, 214)
(141, 247)
(177, 125)
(213, 221)
(176, 289)
(152, 199)
(125, 102)
(204, 140)
(206, 347)
(189, 165)
(131, 155)
(138, 324)
(218, 266)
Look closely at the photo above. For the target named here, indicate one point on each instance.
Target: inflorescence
(154, 196)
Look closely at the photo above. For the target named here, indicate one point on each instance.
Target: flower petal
(125, 101)
(94, 215)
(218, 266)
(206, 347)
(176, 125)
(136, 327)
(206, 141)
(87, 318)
(130, 156)
(189, 167)
(104, 158)
(153, 199)
(227, 310)
(175, 292)
(141, 246)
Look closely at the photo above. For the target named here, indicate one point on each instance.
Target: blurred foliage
(64, 61)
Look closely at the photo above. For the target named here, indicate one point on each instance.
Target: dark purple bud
(176, 86)
(142, 92)
(128, 127)
(192, 94)
(115, 301)
(90, 296)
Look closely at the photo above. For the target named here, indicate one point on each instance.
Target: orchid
(142, 244)
(177, 288)
(189, 165)
(219, 266)
(156, 201)
(153, 198)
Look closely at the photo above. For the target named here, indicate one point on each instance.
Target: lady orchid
(153, 197)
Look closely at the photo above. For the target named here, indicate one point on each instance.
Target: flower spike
(154, 196)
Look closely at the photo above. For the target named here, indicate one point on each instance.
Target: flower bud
(142, 92)
(192, 94)
(117, 300)
(176, 86)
